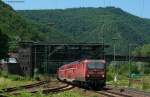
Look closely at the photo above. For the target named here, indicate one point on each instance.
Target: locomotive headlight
(103, 75)
(88, 75)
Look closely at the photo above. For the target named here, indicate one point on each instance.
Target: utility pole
(103, 45)
(101, 39)
(115, 65)
(35, 65)
(129, 48)
(47, 59)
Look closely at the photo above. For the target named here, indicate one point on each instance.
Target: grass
(9, 80)
(144, 84)
(141, 83)
(139, 78)
(70, 93)
(6, 82)
(61, 94)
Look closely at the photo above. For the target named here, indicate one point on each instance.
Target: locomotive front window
(93, 65)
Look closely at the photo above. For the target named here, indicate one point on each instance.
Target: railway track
(34, 88)
(109, 92)
(7, 90)
(137, 92)
(48, 90)
(127, 92)
(112, 93)
(106, 92)
(115, 92)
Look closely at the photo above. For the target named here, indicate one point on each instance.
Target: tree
(142, 51)
(4, 47)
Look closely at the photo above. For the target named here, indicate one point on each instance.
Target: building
(11, 66)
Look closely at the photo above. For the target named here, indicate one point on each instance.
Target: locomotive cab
(95, 73)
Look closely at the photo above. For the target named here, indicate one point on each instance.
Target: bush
(109, 76)
(17, 78)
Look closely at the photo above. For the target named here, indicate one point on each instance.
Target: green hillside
(18, 28)
(90, 24)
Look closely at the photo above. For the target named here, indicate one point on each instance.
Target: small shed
(11, 66)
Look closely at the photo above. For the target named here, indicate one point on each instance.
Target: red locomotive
(91, 73)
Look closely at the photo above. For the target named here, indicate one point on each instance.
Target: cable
(104, 3)
(102, 32)
(142, 8)
(109, 2)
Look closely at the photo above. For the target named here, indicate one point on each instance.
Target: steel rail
(48, 90)
(24, 86)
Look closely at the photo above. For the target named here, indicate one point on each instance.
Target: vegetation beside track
(9, 80)
(137, 79)
(70, 93)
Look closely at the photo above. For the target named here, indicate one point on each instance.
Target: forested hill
(18, 28)
(89, 24)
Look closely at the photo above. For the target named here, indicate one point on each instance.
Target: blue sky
(137, 7)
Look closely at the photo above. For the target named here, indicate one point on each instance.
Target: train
(86, 73)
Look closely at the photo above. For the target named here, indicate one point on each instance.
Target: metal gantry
(45, 56)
